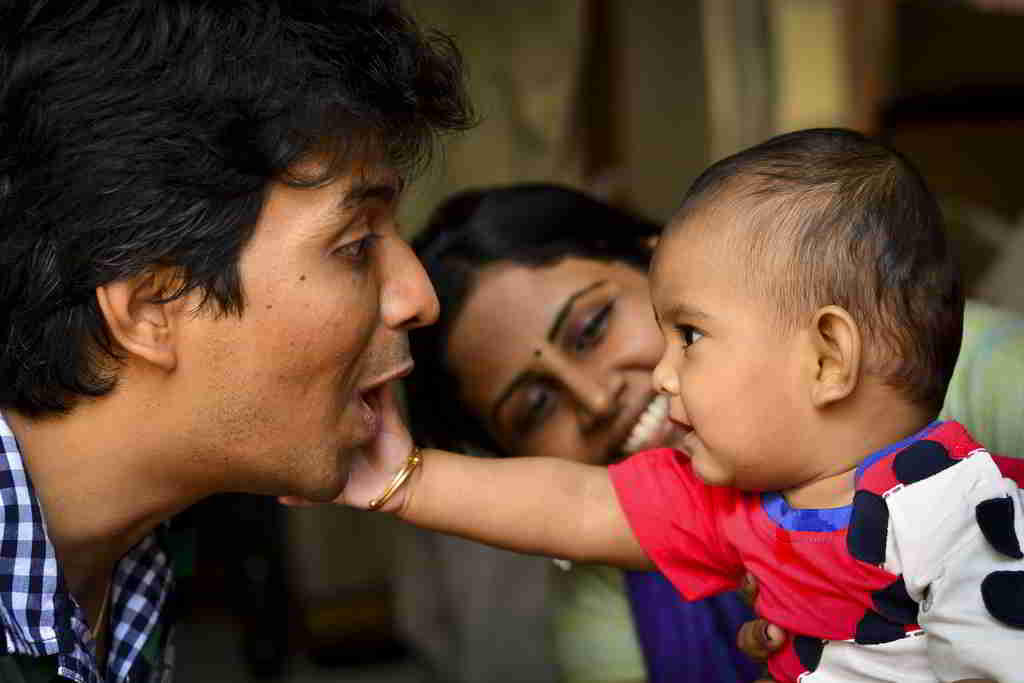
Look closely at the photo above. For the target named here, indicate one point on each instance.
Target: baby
(812, 315)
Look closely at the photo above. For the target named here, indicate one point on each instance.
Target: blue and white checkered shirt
(39, 616)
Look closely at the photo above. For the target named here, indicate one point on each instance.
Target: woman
(545, 346)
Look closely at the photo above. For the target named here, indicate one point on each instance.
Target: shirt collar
(38, 615)
(830, 519)
(892, 448)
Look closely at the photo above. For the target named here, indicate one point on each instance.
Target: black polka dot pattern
(869, 526)
(995, 517)
(895, 603)
(808, 650)
(874, 629)
(920, 461)
(1003, 593)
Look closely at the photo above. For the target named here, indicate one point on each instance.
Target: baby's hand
(373, 469)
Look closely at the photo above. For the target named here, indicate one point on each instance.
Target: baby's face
(736, 383)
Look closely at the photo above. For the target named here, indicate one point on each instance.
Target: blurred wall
(603, 95)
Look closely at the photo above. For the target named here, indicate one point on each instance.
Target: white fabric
(935, 542)
(904, 660)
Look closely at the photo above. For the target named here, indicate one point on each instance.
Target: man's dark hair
(533, 225)
(829, 216)
(137, 134)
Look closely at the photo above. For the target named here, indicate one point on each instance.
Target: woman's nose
(597, 399)
(596, 394)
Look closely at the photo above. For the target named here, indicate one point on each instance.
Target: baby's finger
(391, 416)
(759, 639)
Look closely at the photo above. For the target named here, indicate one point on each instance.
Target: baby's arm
(544, 506)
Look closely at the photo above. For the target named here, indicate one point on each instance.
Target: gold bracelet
(411, 463)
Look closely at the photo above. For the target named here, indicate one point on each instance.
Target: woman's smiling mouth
(652, 428)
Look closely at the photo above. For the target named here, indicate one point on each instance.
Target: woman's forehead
(510, 295)
(510, 306)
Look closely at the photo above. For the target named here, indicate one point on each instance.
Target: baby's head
(796, 276)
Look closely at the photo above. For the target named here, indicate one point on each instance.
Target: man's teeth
(648, 426)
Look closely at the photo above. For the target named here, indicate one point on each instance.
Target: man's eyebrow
(556, 326)
(363, 191)
(566, 309)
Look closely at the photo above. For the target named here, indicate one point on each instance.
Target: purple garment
(684, 641)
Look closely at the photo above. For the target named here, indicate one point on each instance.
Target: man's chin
(327, 490)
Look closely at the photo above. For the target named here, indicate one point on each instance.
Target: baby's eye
(689, 334)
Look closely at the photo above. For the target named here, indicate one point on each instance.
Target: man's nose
(408, 299)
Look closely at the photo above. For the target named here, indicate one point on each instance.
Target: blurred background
(629, 100)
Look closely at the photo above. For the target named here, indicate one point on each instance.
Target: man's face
(282, 396)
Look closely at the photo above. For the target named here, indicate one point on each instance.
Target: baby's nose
(664, 379)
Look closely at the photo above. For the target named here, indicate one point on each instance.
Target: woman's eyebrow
(566, 309)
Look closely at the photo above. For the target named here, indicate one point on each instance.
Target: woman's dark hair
(532, 225)
(137, 134)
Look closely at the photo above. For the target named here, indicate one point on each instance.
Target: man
(201, 285)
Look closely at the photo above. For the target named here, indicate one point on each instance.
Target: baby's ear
(836, 344)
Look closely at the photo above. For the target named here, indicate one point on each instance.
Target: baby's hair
(830, 216)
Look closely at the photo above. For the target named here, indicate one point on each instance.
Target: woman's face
(557, 360)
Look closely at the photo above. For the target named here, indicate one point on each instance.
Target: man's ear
(140, 324)
(836, 341)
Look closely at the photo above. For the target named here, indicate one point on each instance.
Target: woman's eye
(537, 404)
(357, 251)
(689, 334)
(593, 330)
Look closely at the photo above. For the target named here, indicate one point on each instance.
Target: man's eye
(689, 334)
(593, 330)
(358, 250)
